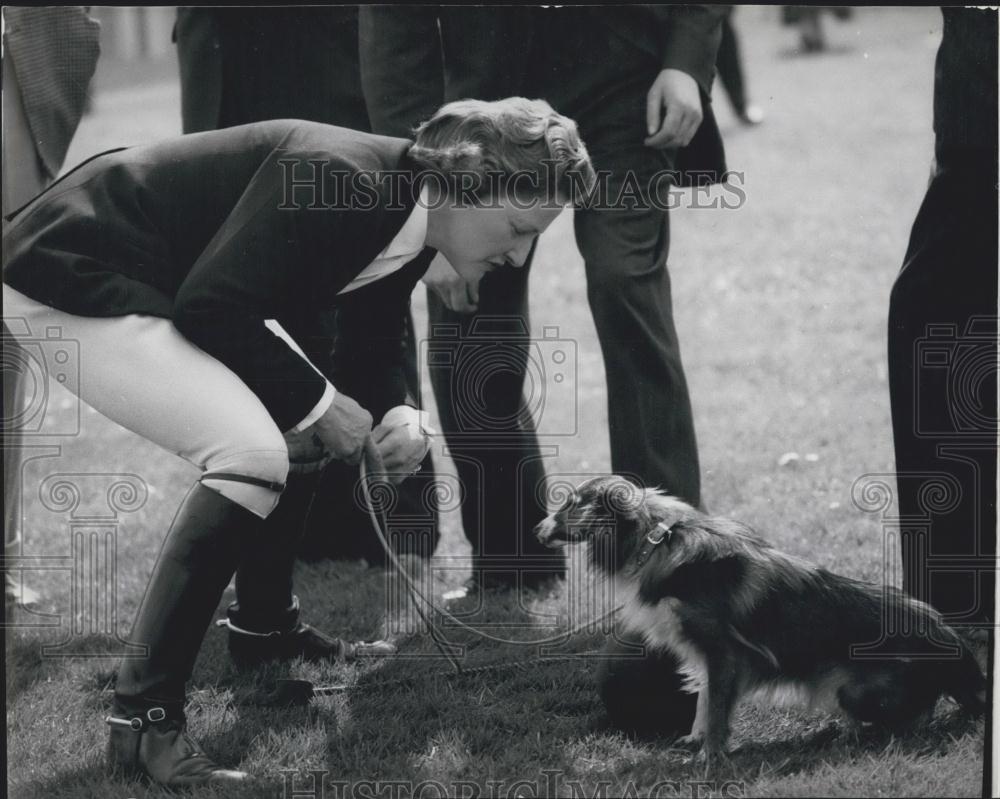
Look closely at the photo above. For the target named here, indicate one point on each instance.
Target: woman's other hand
(403, 439)
(343, 428)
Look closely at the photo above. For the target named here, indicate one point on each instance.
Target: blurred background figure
(809, 21)
(729, 66)
(250, 64)
(943, 339)
(49, 57)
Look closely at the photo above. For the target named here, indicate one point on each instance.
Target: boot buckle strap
(240, 631)
(138, 723)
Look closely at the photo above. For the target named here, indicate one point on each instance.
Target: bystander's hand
(673, 110)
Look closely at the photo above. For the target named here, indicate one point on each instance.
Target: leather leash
(299, 692)
(372, 464)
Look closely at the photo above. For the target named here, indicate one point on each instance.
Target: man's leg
(477, 370)
(628, 286)
(23, 178)
(730, 67)
(601, 80)
(942, 382)
(14, 408)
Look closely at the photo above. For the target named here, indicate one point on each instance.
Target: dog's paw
(693, 740)
(712, 758)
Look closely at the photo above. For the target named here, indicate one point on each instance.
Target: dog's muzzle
(547, 531)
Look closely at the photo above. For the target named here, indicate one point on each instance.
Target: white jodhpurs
(140, 372)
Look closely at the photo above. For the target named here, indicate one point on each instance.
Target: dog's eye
(570, 503)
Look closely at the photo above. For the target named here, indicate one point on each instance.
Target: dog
(743, 618)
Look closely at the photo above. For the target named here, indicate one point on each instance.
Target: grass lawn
(781, 308)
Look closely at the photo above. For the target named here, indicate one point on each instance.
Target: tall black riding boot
(263, 622)
(198, 559)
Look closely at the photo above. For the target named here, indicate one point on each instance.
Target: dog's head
(611, 514)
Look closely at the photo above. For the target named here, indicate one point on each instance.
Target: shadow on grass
(27, 664)
(837, 743)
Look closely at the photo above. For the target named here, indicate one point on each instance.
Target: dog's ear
(624, 501)
(624, 504)
(616, 512)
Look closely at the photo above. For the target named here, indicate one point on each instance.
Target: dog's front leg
(697, 735)
(723, 682)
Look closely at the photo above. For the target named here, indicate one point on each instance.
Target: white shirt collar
(412, 236)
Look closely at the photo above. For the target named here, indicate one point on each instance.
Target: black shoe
(155, 745)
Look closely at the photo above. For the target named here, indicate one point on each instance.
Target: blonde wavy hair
(495, 141)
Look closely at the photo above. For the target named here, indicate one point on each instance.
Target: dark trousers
(477, 365)
(942, 381)
(601, 81)
(729, 64)
(248, 64)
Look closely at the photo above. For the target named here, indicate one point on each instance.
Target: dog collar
(662, 532)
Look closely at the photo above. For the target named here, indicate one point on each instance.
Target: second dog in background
(742, 617)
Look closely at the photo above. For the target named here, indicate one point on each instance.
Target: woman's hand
(343, 428)
(403, 441)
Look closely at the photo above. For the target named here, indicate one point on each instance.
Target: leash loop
(371, 463)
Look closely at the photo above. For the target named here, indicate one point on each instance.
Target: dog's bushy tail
(955, 668)
(965, 681)
(961, 677)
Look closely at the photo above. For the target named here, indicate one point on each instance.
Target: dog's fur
(743, 618)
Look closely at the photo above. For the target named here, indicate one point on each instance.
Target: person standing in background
(637, 80)
(249, 64)
(942, 334)
(50, 55)
(809, 21)
(730, 68)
